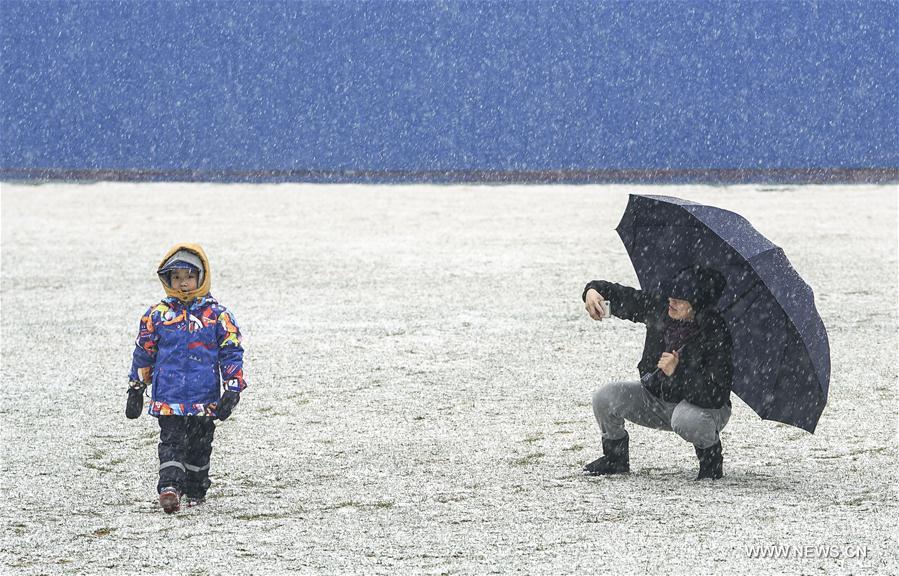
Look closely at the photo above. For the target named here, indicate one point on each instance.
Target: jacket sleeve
(230, 352)
(626, 302)
(144, 356)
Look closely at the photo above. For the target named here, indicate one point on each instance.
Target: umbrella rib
(741, 296)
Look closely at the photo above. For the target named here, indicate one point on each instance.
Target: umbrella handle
(648, 377)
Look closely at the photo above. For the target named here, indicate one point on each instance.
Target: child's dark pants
(185, 445)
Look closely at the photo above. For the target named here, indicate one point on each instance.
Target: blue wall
(412, 86)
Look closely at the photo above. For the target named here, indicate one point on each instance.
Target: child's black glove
(135, 404)
(229, 400)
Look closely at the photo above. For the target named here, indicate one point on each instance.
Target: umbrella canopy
(781, 353)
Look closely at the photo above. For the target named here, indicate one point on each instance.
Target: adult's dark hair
(701, 287)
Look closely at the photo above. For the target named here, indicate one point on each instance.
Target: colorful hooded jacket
(188, 345)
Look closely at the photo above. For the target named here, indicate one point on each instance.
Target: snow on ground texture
(420, 369)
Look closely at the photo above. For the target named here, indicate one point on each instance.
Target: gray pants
(614, 403)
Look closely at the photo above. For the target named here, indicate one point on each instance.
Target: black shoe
(711, 462)
(615, 459)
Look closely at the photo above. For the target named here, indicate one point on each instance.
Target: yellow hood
(205, 273)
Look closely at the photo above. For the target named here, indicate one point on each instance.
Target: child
(188, 345)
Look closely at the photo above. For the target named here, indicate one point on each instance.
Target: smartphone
(606, 308)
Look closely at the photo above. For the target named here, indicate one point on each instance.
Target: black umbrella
(781, 353)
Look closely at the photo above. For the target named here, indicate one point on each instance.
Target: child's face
(183, 280)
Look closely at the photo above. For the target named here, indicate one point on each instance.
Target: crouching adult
(685, 371)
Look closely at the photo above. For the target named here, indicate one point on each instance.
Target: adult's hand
(668, 362)
(593, 304)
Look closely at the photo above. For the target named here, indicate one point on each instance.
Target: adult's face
(680, 309)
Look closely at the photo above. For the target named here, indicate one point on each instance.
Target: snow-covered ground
(420, 369)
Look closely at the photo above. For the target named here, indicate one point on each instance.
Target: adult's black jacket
(705, 370)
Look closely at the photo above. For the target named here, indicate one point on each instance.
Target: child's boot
(195, 488)
(191, 501)
(170, 500)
